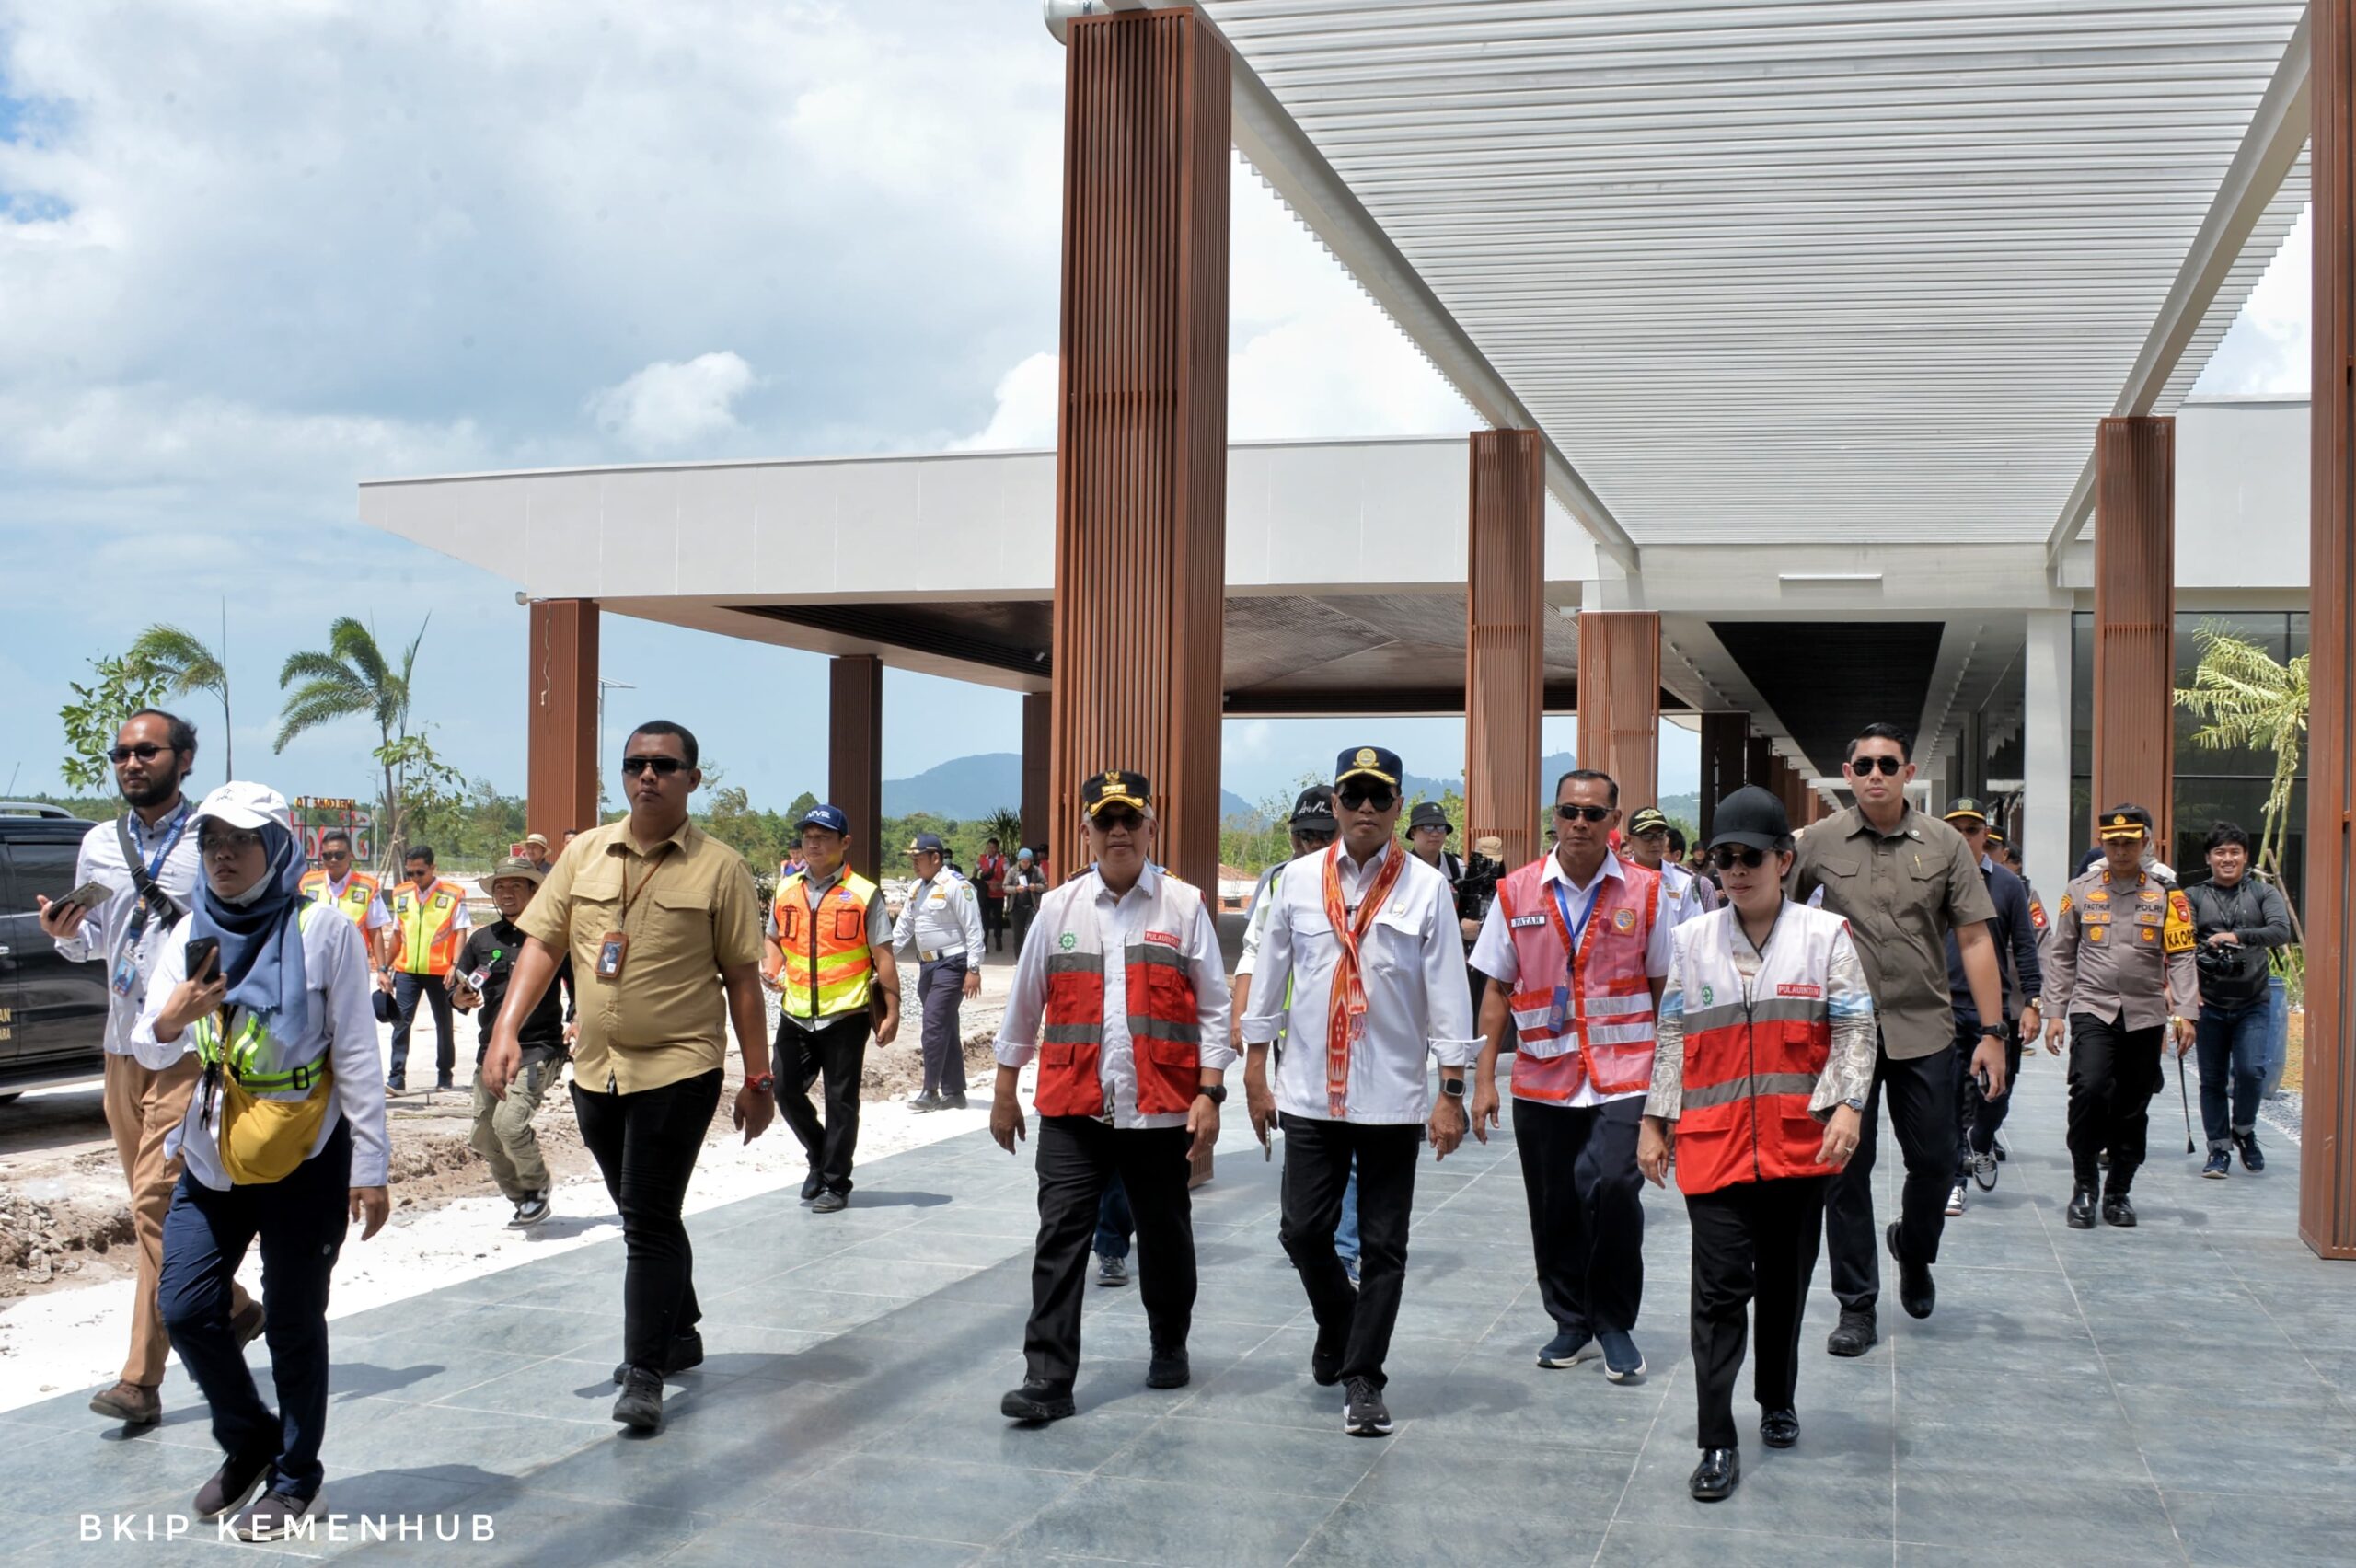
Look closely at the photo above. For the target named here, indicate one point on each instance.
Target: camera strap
(161, 906)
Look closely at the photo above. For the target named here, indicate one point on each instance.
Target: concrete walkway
(2183, 1392)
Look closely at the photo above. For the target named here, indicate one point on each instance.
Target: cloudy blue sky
(251, 254)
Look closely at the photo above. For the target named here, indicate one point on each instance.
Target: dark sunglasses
(335, 854)
(1583, 813)
(1887, 765)
(144, 753)
(1314, 840)
(1112, 817)
(1381, 800)
(1727, 856)
(664, 767)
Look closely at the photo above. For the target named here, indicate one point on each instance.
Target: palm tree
(183, 660)
(353, 677)
(2252, 702)
(1005, 824)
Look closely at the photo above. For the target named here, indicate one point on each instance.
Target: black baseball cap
(1313, 811)
(1967, 806)
(1116, 787)
(1428, 813)
(1753, 818)
(1377, 763)
(1650, 820)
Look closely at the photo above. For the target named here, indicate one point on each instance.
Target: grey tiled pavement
(2182, 1393)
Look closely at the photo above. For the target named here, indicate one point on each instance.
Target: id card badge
(613, 949)
(125, 982)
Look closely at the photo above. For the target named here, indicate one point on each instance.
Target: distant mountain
(969, 786)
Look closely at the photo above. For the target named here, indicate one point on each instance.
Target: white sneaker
(1983, 1171)
(1956, 1197)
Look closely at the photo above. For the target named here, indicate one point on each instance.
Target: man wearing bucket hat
(502, 1132)
(284, 1143)
(2119, 979)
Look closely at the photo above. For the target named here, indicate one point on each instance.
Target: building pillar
(2050, 832)
(1505, 677)
(2135, 618)
(1971, 756)
(2328, 1150)
(1758, 761)
(1038, 738)
(1141, 445)
(1723, 737)
(560, 724)
(855, 757)
(1619, 700)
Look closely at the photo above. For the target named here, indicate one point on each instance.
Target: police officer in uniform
(943, 918)
(1122, 996)
(2119, 979)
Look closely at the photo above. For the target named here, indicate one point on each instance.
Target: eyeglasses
(1354, 797)
(226, 841)
(1582, 813)
(664, 767)
(1112, 817)
(1886, 765)
(1727, 856)
(1314, 840)
(143, 752)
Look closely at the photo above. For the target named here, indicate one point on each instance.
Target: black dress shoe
(1779, 1428)
(2118, 1211)
(2082, 1206)
(1169, 1369)
(1325, 1359)
(812, 1186)
(1916, 1290)
(1715, 1478)
(1037, 1402)
(1854, 1335)
(686, 1354)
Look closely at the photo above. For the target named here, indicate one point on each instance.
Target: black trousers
(408, 990)
(1080, 1156)
(1977, 1117)
(2114, 1072)
(993, 923)
(1922, 1107)
(1754, 1241)
(1587, 1210)
(1317, 1168)
(646, 1145)
(837, 1053)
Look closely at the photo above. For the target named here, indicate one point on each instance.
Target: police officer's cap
(1427, 813)
(926, 843)
(831, 818)
(1116, 787)
(1965, 808)
(1650, 820)
(2127, 821)
(1377, 763)
(1312, 810)
(1753, 818)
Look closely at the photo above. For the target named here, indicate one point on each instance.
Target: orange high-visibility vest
(1583, 1013)
(428, 927)
(1165, 1025)
(828, 968)
(360, 891)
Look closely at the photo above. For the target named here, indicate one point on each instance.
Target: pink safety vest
(1586, 1014)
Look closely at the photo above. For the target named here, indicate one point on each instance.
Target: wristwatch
(1214, 1092)
(1452, 1087)
(1991, 1032)
(1854, 1103)
(763, 1083)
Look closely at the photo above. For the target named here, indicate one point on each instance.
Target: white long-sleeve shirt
(1412, 962)
(942, 913)
(106, 932)
(335, 969)
(1119, 920)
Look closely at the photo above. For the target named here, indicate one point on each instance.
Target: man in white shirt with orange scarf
(1361, 969)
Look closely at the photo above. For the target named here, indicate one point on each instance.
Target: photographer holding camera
(2236, 919)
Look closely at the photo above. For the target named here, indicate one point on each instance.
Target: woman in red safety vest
(1764, 1056)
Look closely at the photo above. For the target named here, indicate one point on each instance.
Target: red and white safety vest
(1752, 1058)
(1584, 1013)
(1165, 1026)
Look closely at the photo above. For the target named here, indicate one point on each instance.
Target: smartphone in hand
(203, 951)
(90, 896)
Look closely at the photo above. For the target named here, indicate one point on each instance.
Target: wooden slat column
(1141, 440)
(855, 757)
(1723, 737)
(1505, 677)
(2135, 618)
(1758, 761)
(1619, 700)
(561, 722)
(1038, 738)
(2328, 1150)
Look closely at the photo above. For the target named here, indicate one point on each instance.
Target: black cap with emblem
(2127, 821)
(1115, 786)
(1377, 763)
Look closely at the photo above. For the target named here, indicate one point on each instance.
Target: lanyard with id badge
(613, 947)
(125, 980)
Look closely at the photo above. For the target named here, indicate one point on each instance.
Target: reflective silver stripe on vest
(1749, 1086)
(1071, 1033)
(1075, 964)
(1144, 1028)
(1154, 953)
(1768, 1009)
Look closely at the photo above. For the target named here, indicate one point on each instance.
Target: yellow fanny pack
(265, 1140)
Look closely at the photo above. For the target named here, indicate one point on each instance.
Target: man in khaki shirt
(1902, 880)
(2119, 976)
(665, 934)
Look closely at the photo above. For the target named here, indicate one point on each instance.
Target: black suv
(52, 1013)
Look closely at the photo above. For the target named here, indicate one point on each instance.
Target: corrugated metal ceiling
(1803, 271)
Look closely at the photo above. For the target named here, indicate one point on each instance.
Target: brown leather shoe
(131, 1404)
(249, 1324)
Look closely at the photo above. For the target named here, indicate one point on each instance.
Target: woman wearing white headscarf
(284, 1142)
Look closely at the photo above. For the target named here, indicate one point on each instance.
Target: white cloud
(672, 405)
(1026, 409)
(2267, 350)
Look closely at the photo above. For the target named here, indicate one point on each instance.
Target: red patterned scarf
(1345, 1012)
